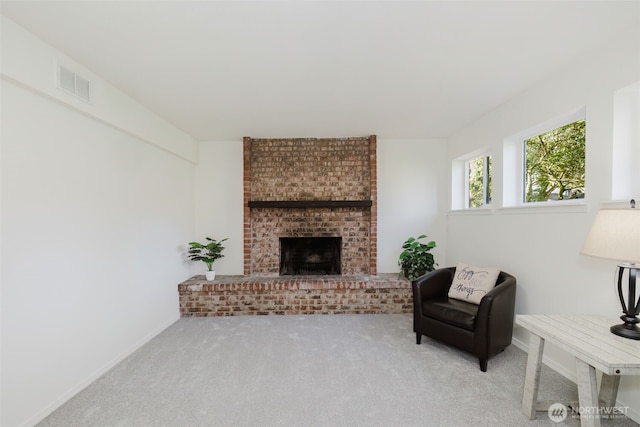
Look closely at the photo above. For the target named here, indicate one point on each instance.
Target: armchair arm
(496, 312)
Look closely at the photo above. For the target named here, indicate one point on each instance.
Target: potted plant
(416, 260)
(207, 253)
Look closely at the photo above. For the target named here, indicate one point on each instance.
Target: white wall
(626, 137)
(411, 197)
(411, 176)
(540, 245)
(93, 215)
(218, 203)
(28, 61)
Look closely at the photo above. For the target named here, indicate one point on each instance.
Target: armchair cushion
(458, 313)
(471, 283)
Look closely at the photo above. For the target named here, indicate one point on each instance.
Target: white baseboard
(569, 373)
(46, 411)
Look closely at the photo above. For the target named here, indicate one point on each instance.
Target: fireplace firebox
(310, 255)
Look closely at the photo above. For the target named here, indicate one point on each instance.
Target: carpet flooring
(325, 370)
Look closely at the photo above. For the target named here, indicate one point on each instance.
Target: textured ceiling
(223, 70)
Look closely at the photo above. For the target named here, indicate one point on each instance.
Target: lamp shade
(615, 235)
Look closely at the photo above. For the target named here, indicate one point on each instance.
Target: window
(471, 181)
(545, 164)
(479, 179)
(554, 164)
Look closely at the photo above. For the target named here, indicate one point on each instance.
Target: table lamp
(615, 235)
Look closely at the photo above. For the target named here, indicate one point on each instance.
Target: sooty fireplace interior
(310, 255)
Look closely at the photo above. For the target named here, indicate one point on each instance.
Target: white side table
(588, 339)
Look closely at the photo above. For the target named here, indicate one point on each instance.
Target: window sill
(569, 206)
(471, 211)
(617, 204)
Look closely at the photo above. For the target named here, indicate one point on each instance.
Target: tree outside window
(555, 164)
(479, 175)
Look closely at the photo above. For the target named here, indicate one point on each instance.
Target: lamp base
(629, 329)
(626, 330)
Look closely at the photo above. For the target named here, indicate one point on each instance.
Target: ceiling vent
(74, 84)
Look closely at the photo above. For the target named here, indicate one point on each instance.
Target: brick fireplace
(305, 190)
(310, 187)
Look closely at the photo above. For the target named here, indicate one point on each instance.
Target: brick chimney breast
(310, 170)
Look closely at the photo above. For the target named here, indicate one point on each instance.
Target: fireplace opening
(310, 255)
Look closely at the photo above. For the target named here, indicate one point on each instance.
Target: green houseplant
(415, 259)
(207, 253)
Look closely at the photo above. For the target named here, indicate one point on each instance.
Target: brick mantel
(310, 187)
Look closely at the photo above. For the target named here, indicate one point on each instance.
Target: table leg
(587, 394)
(532, 376)
(609, 390)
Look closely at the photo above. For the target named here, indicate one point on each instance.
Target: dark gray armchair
(483, 330)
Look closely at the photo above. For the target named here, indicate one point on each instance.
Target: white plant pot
(211, 275)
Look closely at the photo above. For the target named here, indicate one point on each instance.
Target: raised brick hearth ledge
(246, 295)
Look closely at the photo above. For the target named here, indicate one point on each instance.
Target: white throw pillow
(471, 283)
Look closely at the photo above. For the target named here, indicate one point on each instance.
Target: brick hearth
(243, 295)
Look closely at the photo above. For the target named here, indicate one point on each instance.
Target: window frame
(460, 185)
(486, 174)
(513, 165)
